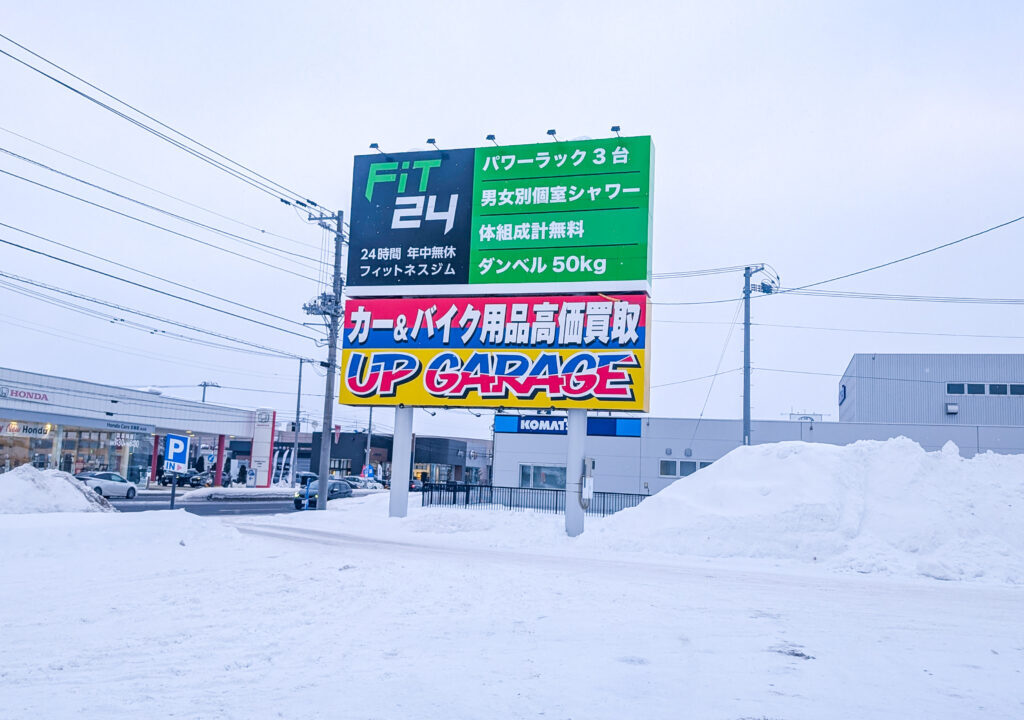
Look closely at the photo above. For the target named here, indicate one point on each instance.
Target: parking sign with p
(176, 453)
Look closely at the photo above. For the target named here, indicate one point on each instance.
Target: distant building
(965, 389)
(975, 401)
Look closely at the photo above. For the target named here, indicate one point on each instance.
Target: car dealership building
(76, 426)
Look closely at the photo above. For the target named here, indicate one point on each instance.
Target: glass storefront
(74, 450)
(26, 443)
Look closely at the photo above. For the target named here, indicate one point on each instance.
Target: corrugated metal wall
(907, 388)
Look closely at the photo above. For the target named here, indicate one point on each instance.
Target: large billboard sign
(578, 351)
(552, 217)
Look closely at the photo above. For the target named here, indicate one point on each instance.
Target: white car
(109, 484)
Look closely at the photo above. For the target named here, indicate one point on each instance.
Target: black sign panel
(410, 219)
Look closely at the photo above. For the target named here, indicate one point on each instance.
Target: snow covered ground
(454, 613)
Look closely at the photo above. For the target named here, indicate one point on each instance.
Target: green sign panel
(565, 216)
(562, 212)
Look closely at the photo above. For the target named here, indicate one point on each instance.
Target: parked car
(335, 489)
(301, 478)
(109, 484)
(416, 485)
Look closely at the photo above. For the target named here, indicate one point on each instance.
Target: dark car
(416, 485)
(301, 478)
(335, 489)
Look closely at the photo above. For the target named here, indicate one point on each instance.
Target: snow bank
(27, 490)
(872, 506)
(239, 493)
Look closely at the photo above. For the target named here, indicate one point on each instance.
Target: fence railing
(515, 498)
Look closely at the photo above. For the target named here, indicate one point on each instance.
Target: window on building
(705, 463)
(1017, 389)
(954, 388)
(687, 467)
(545, 477)
(997, 389)
(975, 388)
(668, 468)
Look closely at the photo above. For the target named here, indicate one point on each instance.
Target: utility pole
(369, 436)
(205, 384)
(295, 439)
(329, 305)
(747, 272)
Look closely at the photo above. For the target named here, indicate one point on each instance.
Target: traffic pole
(298, 410)
(330, 305)
(747, 272)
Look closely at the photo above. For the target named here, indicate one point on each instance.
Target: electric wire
(853, 330)
(54, 301)
(718, 368)
(155, 290)
(150, 316)
(63, 334)
(158, 192)
(158, 227)
(151, 275)
(268, 188)
(277, 252)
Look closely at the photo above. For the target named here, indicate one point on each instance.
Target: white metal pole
(577, 439)
(401, 463)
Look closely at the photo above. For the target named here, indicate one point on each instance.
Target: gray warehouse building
(975, 401)
(933, 389)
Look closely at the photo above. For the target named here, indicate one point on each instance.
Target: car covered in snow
(109, 484)
(335, 489)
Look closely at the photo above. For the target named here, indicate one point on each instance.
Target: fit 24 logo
(409, 209)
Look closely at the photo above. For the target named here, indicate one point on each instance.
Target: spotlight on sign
(551, 132)
(491, 138)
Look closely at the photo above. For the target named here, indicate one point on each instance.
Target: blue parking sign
(176, 453)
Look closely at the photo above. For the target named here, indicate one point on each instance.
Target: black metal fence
(515, 498)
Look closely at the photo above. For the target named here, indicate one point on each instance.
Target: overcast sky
(820, 138)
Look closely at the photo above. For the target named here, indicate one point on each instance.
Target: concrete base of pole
(577, 437)
(401, 463)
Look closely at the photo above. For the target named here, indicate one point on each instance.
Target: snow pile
(871, 506)
(27, 490)
(239, 493)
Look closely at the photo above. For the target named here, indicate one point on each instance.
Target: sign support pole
(576, 429)
(401, 463)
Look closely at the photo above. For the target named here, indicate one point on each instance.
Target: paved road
(207, 507)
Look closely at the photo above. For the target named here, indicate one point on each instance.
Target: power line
(839, 329)
(151, 316)
(158, 192)
(151, 275)
(905, 298)
(156, 290)
(255, 243)
(908, 257)
(264, 186)
(158, 227)
(801, 288)
(63, 334)
(695, 379)
(51, 301)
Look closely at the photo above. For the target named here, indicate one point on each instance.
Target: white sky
(818, 137)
